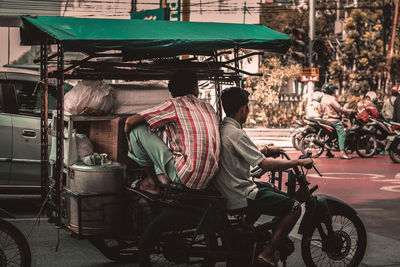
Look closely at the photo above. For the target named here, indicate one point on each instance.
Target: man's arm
(271, 150)
(339, 109)
(282, 164)
(133, 121)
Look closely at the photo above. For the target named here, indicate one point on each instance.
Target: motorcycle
(14, 248)
(298, 127)
(194, 228)
(307, 126)
(381, 129)
(393, 142)
(358, 139)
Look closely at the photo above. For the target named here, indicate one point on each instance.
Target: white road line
(391, 188)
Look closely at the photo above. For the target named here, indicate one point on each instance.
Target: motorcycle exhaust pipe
(318, 142)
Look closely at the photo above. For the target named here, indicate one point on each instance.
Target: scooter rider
(366, 107)
(238, 153)
(332, 111)
(388, 106)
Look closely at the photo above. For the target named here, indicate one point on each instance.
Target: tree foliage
(266, 89)
(362, 63)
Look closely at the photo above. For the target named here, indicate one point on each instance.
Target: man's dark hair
(182, 82)
(233, 98)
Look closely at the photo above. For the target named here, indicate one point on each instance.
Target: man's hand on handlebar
(306, 162)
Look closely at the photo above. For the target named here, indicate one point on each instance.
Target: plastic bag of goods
(89, 97)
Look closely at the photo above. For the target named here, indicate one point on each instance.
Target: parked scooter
(14, 248)
(393, 142)
(358, 139)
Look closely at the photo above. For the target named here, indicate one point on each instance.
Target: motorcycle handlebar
(295, 169)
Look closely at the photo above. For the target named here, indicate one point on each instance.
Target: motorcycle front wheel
(173, 241)
(308, 144)
(296, 140)
(394, 152)
(366, 145)
(345, 248)
(14, 248)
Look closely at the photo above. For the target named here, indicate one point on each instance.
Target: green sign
(174, 7)
(153, 14)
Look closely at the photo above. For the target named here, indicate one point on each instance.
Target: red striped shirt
(191, 129)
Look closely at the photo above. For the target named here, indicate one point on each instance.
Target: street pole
(8, 58)
(396, 16)
(310, 43)
(186, 10)
(383, 26)
(244, 13)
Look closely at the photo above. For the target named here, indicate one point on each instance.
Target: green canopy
(149, 37)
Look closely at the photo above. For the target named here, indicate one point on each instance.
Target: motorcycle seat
(312, 120)
(326, 123)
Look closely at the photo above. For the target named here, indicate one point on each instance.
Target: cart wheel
(117, 249)
(14, 248)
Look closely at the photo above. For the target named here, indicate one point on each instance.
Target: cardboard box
(109, 137)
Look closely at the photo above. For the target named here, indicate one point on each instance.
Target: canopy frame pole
(218, 54)
(48, 57)
(59, 172)
(44, 136)
(242, 71)
(78, 63)
(236, 58)
(218, 93)
(244, 56)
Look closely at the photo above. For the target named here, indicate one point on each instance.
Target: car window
(28, 97)
(1, 98)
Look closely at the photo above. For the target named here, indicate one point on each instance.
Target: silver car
(20, 130)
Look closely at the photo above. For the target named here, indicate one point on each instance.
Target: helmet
(395, 90)
(317, 96)
(329, 88)
(371, 95)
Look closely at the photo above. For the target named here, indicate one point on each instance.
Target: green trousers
(341, 134)
(148, 149)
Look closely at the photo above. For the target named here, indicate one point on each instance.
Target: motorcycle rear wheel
(308, 145)
(349, 250)
(366, 145)
(14, 248)
(170, 241)
(394, 152)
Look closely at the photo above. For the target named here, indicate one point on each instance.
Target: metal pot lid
(106, 167)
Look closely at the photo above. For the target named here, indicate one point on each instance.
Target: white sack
(89, 94)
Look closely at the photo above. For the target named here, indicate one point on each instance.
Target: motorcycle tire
(366, 145)
(13, 246)
(117, 250)
(296, 141)
(351, 242)
(169, 239)
(308, 145)
(394, 152)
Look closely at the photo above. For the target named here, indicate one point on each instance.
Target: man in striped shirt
(178, 139)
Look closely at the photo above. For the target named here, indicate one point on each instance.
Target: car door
(5, 140)
(25, 168)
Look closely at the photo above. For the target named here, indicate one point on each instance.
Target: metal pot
(94, 198)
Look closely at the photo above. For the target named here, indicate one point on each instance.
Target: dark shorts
(269, 202)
